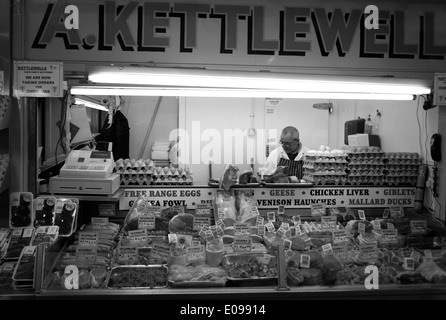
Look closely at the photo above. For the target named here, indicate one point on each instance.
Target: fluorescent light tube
(177, 77)
(90, 104)
(239, 93)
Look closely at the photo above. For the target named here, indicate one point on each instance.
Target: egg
(321, 147)
(180, 170)
(159, 170)
(173, 170)
(165, 169)
(186, 170)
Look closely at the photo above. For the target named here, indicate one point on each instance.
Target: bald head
(289, 139)
(290, 133)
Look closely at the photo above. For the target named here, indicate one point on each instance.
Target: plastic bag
(229, 177)
(225, 207)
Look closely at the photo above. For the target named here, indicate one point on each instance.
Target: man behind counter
(289, 154)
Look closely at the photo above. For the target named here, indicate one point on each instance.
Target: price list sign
(160, 251)
(318, 209)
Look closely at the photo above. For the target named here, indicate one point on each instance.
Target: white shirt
(273, 159)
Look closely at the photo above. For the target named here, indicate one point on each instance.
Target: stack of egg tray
(325, 169)
(366, 167)
(144, 173)
(402, 168)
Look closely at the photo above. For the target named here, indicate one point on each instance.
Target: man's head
(289, 139)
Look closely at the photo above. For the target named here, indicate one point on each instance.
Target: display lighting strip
(89, 104)
(218, 83)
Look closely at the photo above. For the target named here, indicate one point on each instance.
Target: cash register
(86, 172)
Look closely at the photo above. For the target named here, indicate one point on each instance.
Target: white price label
(376, 225)
(296, 220)
(361, 214)
(305, 261)
(418, 227)
(287, 244)
(99, 223)
(270, 227)
(368, 251)
(271, 216)
(260, 221)
(242, 244)
(428, 254)
(146, 221)
(409, 264)
(208, 235)
(389, 235)
(28, 232)
(328, 223)
(241, 229)
(416, 256)
(53, 230)
(138, 236)
(200, 222)
(128, 254)
(261, 230)
(340, 236)
(220, 224)
(298, 230)
(86, 254)
(195, 253)
(221, 213)
(88, 239)
(361, 228)
(160, 251)
(202, 210)
(396, 212)
(327, 249)
(318, 209)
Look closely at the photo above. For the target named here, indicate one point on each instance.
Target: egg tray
(366, 173)
(360, 162)
(401, 181)
(324, 167)
(324, 159)
(411, 162)
(133, 170)
(326, 180)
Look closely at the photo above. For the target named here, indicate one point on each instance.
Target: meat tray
(136, 277)
(197, 284)
(246, 267)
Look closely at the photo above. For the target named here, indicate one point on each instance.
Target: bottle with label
(376, 123)
(368, 125)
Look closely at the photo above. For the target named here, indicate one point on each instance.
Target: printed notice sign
(439, 89)
(38, 79)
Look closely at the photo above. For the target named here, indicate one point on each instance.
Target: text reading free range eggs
(227, 309)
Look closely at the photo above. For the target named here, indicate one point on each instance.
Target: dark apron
(295, 168)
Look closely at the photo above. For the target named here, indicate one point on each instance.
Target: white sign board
(272, 198)
(440, 89)
(38, 79)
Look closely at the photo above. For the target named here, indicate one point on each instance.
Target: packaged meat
(225, 207)
(246, 206)
(45, 211)
(21, 213)
(229, 177)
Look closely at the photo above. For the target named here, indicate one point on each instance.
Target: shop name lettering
(335, 30)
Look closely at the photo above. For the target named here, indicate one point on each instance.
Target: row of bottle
(372, 126)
